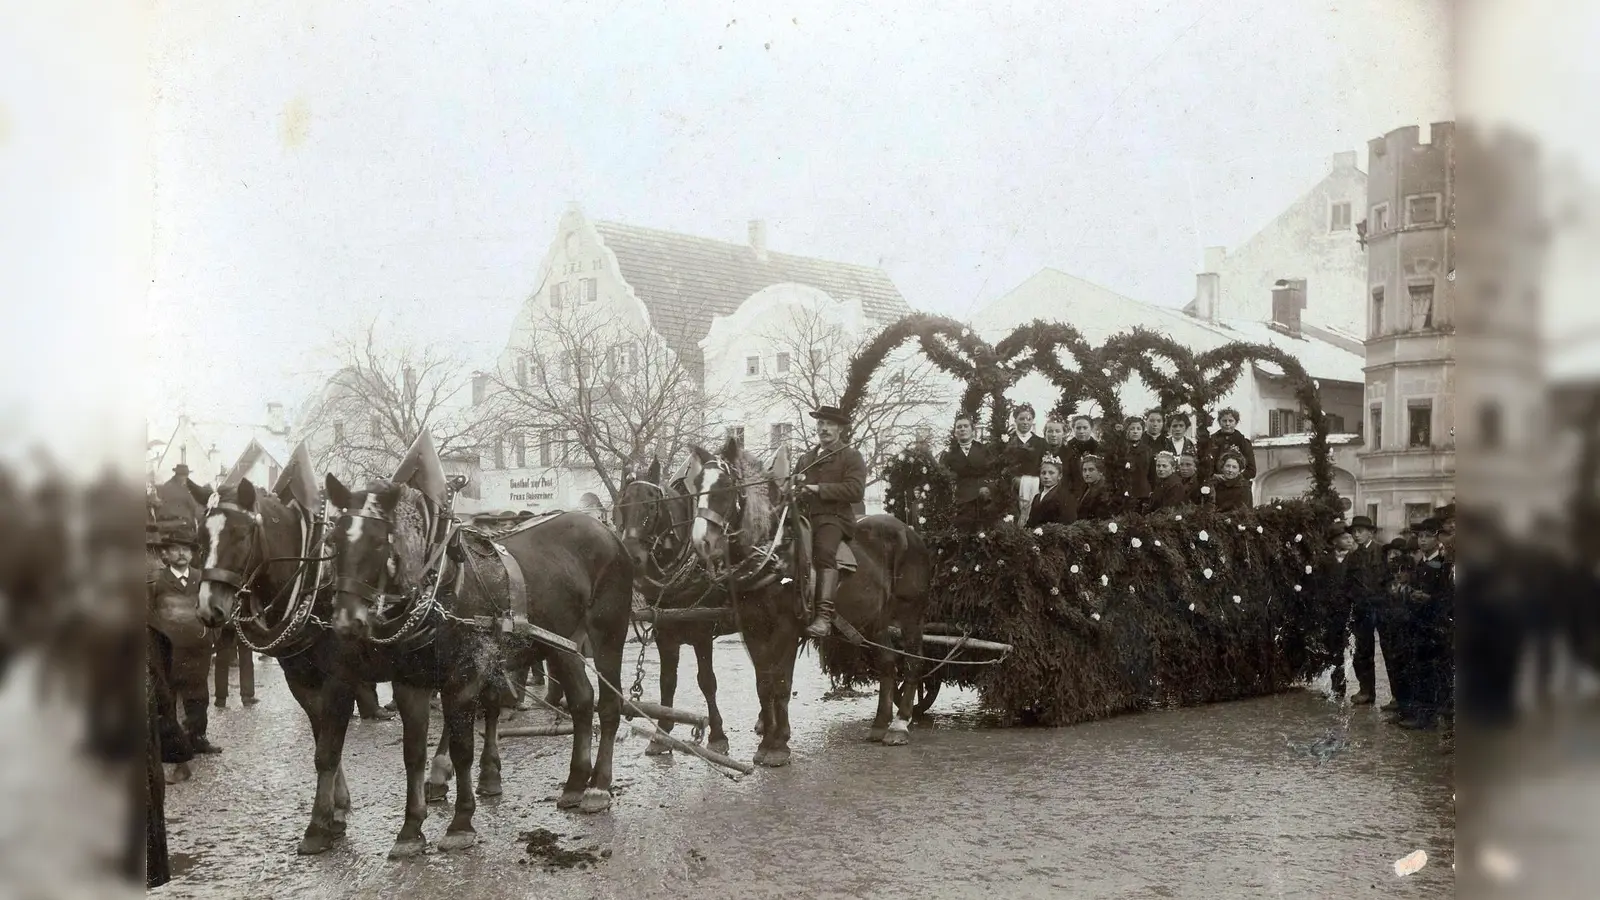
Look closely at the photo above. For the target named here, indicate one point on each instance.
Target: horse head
(232, 550)
(379, 544)
(732, 500)
(640, 512)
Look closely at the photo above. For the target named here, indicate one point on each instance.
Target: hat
(1398, 545)
(1363, 522)
(830, 414)
(1429, 525)
(1336, 529)
(181, 470)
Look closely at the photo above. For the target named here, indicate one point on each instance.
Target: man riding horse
(833, 478)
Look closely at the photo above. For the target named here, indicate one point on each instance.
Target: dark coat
(1433, 595)
(1231, 495)
(1097, 502)
(1139, 466)
(1221, 441)
(175, 612)
(1022, 457)
(1070, 459)
(1367, 574)
(1191, 490)
(841, 477)
(1180, 448)
(1169, 492)
(1333, 590)
(1049, 507)
(973, 469)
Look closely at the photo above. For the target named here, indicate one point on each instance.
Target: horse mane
(411, 518)
(760, 518)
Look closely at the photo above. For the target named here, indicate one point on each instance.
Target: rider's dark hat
(181, 470)
(830, 414)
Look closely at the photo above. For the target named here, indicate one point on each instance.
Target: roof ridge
(735, 245)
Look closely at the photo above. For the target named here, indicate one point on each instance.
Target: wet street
(1283, 796)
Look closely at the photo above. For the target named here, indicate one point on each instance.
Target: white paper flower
(1055, 592)
(1105, 372)
(1297, 588)
(1236, 599)
(1260, 530)
(1297, 539)
(1205, 489)
(1136, 543)
(981, 535)
(955, 568)
(1038, 531)
(1203, 536)
(1177, 518)
(1130, 588)
(1111, 527)
(1104, 581)
(1074, 568)
(1127, 465)
(1158, 543)
(922, 520)
(1009, 519)
(978, 568)
(927, 488)
(1308, 570)
(1207, 572)
(1191, 607)
(1095, 616)
(1241, 527)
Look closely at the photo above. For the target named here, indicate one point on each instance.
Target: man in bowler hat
(1366, 575)
(833, 479)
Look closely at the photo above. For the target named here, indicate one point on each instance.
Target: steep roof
(684, 281)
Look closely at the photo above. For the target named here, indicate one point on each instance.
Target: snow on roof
(1301, 440)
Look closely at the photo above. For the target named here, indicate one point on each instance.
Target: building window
(1377, 312)
(519, 449)
(1489, 425)
(597, 265)
(1335, 423)
(480, 387)
(1419, 414)
(1421, 306)
(499, 453)
(338, 432)
(1283, 421)
(752, 366)
(1372, 512)
(1380, 218)
(1423, 210)
(1339, 217)
(558, 295)
(376, 424)
(567, 368)
(590, 288)
(816, 360)
(571, 447)
(1416, 512)
(781, 433)
(633, 359)
(1375, 428)
(783, 363)
(547, 456)
(522, 371)
(737, 433)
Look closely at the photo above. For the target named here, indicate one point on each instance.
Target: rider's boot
(827, 586)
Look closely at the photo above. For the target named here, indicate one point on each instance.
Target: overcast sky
(320, 163)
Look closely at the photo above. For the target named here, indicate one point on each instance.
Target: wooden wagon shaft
(666, 713)
(649, 730)
(549, 729)
(951, 640)
(696, 614)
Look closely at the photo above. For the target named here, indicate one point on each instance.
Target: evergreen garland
(920, 492)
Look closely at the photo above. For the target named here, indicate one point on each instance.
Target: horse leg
(785, 647)
(906, 703)
(437, 788)
(460, 712)
(580, 703)
(608, 662)
(886, 691)
(765, 723)
(335, 706)
(489, 762)
(414, 704)
(707, 677)
(668, 648)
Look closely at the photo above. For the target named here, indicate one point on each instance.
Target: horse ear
(730, 450)
(779, 470)
(691, 474)
(201, 495)
(654, 475)
(247, 495)
(338, 494)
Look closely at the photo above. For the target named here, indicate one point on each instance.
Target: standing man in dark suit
(835, 480)
(1432, 631)
(1366, 575)
(1227, 437)
(970, 463)
(174, 600)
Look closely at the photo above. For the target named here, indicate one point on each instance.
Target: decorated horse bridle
(297, 615)
(716, 518)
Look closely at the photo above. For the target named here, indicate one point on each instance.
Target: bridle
(243, 584)
(730, 530)
(373, 596)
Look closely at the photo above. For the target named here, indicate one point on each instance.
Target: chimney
(1344, 159)
(758, 238)
(277, 423)
(1288, 299)
(1207, 296)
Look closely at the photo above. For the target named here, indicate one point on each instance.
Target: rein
(299, 611)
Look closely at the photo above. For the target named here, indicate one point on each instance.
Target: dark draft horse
(737, 512)
(579, 584)
(654, 522)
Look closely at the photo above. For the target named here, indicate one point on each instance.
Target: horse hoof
(897, 737)
(317, 842)
(457, 840)
(658, 748)
(570, 800)
(408, 849)
(340, 826)
(595, 801)
(775, 758)
(718, 745)
(488, 787)
(877, 734)
(435, 793)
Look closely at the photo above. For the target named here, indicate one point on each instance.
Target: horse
(738, 508)
(579, 583)
(654, 525)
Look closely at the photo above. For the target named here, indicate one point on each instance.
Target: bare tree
(812, 366)
(380, 399)
(596, 394)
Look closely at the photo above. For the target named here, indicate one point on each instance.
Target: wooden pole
(698, 614)
(649, 730)
(950, 640)
(666, 713)
(551, 729)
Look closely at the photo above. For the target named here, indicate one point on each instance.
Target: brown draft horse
(738, 510)
(654, 523)
(579, 583)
